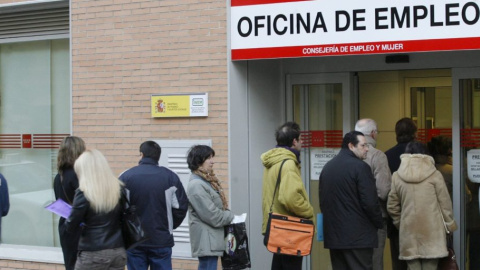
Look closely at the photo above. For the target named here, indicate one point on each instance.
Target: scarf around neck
(294, 151)
(214, 182)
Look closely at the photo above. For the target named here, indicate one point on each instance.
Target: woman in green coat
(208, 209)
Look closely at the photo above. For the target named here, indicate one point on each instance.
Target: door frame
(349, 111)
(349, 103)
(460, 236)
(433, 81)
(349, 94)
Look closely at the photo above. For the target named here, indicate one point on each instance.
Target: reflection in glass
(34, 99)
(470, 139)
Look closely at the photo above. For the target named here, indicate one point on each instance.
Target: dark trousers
(286, 262)
(474, 250)
(111, 259)
(69, 243)
(393, 234)
(352, 259)
(143, 258)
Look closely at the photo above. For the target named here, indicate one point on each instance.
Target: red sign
(322, 138)
(10, 141)
(35, 141)
(26, 140)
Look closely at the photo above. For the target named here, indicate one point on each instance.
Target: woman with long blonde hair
(64, 185)
(97, 212)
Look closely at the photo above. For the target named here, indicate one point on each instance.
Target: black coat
(99, 231)
(64, 188)
(349, 203)
(393, 156)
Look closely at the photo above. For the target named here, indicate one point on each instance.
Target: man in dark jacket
(161, 203)
(405, 131)
(4, 201)
(349, 203)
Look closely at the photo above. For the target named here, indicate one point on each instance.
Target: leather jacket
(99, 230)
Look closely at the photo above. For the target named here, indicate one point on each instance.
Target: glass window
(469, 143)
(34, 118)
(319, 110)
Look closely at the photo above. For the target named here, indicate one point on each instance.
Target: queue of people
(91, 236)
(404, 186)
(404, 194)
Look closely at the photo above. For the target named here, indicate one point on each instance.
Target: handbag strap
(279, 178)
(126, 197)
(443, 219)
(449, 233)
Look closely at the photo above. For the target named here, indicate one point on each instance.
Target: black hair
(286, 133)
(440, 145)
(151, 149)
(416, 147)
(197, 156)
(351, 137)
(405, 130)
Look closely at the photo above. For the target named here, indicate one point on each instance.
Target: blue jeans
(140, 258)
(207, 263)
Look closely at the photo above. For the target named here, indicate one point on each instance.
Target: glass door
(322, 105)
(466, 149)
(429, 101)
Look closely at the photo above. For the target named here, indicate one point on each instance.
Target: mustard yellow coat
(291, 198)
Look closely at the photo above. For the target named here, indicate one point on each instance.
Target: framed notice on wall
(179, 105)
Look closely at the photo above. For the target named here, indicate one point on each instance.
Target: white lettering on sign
(352, 27)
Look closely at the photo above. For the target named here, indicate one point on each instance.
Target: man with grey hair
(383, 180)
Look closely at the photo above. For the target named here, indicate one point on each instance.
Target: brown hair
(70, 149)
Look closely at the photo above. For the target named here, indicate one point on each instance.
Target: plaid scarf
(215, 183)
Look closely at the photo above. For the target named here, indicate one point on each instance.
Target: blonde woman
(96, 212)
(64, 185)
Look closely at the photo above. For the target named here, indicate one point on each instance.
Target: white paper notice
(473, 165)
(318, 158)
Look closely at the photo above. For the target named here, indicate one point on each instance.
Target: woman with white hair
(97, 212)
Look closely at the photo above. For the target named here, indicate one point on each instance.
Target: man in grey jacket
(383, 180)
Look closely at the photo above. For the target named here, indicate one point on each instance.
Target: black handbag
(236, 255)
(449, 262)
(132, 230)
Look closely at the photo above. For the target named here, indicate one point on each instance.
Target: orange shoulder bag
(286, 234)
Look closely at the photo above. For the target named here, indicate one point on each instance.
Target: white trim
(34, 38)
(31, 253)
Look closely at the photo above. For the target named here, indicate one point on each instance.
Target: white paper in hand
(239, 219)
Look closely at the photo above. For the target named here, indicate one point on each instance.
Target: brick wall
(20, 265)
(123, 51)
